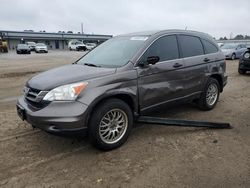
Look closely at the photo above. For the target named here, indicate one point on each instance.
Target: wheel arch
(125, 97)
(219, 79)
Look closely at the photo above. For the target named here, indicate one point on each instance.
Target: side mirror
(153, 60)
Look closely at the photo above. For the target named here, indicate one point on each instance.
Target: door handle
(206, 60)
(176, 65)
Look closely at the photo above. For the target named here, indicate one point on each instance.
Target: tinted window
(190, 46)
(115, 52)
(209, 47)
(165, 48)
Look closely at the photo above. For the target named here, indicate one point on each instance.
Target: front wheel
(110, 124)
(210, 95)
(233, 56)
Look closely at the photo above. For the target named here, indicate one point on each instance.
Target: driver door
(164, 81)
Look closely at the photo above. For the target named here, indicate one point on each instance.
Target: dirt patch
(18, 74)
(154, 156)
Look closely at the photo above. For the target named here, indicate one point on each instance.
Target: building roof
(54, 36)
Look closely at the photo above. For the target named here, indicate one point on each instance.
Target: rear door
(196, 62)
(163, 81)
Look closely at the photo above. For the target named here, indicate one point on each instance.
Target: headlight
(247, 55)
(65, 92)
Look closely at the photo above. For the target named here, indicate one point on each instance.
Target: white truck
(77, 45)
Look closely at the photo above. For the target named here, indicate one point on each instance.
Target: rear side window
(166, 48)
(190, 46)
(209, 47)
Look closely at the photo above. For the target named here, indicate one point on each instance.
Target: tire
(102, 116)
(241, 71)
(233, 56)
(70, 49)
(211, 89)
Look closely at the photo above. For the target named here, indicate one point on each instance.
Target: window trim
(179, 48)
(210, 43)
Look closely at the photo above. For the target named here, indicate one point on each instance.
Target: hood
(81, 45)
(66, 75)
(23, 48)
(41, 46)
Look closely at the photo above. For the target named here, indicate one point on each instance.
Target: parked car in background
(41, 47)
(129, 75)
(77, 45)
(233, 50)
(22, 49)
(32, 45)
(220, 44)
(90, 46)
(244, 63)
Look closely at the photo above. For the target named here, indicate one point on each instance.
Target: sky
(218, 18)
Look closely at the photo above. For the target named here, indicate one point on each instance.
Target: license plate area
(20, 112)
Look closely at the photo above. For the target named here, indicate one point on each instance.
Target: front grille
(34, 97)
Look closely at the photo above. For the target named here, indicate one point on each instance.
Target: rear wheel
(210, 95)
(233, 56)
(110, 124)
(241, 71)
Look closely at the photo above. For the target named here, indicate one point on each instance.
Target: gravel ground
(154, 156)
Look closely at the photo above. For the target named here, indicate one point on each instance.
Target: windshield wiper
(91, 65)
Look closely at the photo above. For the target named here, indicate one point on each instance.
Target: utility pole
(231, 35)
(82, 28)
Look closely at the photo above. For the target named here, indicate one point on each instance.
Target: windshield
(31, 43)
(22, 45)
(229, 46)
(115, 52)
(40, 44)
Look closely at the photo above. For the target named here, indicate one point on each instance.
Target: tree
(239, 37)
(247, 37)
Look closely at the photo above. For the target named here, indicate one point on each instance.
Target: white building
(52, 40)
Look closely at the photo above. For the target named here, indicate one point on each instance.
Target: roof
(159, 32)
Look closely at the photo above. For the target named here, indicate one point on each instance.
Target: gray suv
(107, 89)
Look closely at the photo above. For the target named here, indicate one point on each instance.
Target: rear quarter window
(190, 46)
(209, 47)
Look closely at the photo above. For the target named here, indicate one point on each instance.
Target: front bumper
(41, 50)
(81, 48)
(23, 51)
(227, 55)
(58, 117)
(244, 64)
